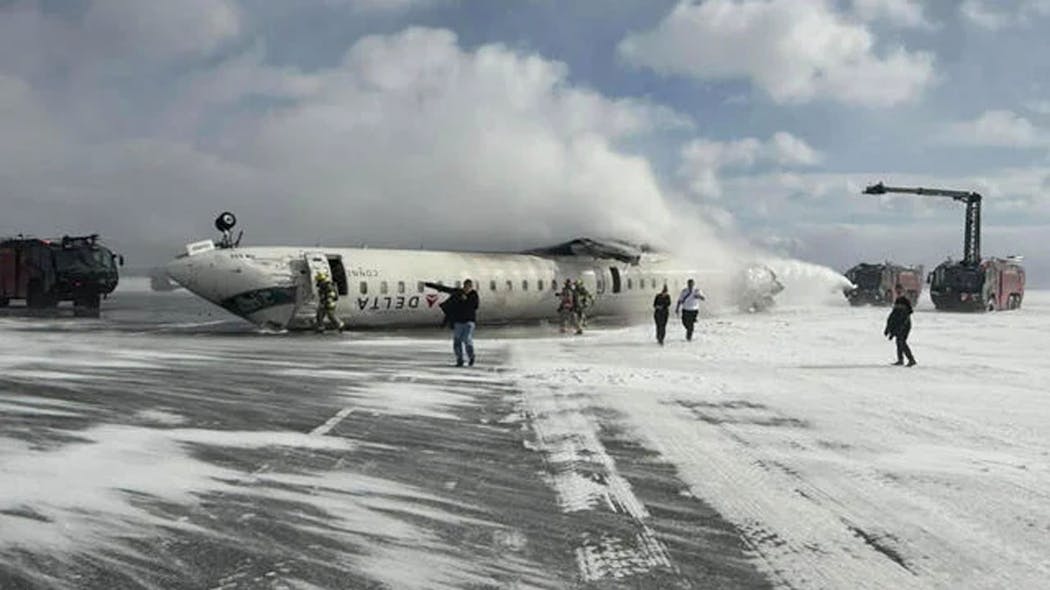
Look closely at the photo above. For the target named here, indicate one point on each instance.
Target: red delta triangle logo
(432, 299)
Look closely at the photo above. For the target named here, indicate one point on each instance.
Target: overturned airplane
(273, 286)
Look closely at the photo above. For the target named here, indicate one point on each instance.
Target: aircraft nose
(181, 272)
(191, 272)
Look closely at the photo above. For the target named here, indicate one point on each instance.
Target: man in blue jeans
(461, 309)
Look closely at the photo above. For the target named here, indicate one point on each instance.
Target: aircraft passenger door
(316, 262)
(615, 279)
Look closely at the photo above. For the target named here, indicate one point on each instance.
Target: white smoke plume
(410, 140)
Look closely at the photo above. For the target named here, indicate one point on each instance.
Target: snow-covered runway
(839, 470)
(163, 447)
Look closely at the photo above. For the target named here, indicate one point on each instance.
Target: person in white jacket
(689, 303)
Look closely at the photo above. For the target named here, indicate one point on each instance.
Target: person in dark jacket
(661, 311)
(898, 325)
(461, 309)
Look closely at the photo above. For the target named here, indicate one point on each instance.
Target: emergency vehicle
(45, 272)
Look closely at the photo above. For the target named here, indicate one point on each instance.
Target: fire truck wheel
(86, 305)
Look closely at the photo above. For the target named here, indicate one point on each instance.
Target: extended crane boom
(972, 237)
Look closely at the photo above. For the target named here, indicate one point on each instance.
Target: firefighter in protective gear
(583, 303)
(326, 298)
(567, 308)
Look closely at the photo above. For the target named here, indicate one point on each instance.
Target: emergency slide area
(163, 447)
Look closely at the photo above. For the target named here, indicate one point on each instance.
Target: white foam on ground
(840, 470)
(407, 398)
(399, 553)
(87, 499)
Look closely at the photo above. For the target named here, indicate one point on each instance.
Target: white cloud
(125, 28)
(787, 149)
(704, 160)
(795, 50)
(387, 6)
(998, 128)
(834, 197)
(906, 13)
(1039, 107)
(978, 13)
(1005, 14)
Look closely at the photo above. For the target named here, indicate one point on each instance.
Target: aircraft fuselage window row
(653, 284)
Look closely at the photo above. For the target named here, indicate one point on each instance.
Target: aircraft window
(524, 285)
(401, 286)
(458, 284)
(510, 286)
(364, 287)
(420, 286)
(539, 285)
(492, 285)
(629, 284)
(382, 288)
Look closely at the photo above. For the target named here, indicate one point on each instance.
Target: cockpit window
(83, 260)
(867, 278)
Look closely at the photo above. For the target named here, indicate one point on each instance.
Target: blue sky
(447, 123)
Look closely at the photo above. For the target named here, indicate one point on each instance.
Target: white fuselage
(273, 286)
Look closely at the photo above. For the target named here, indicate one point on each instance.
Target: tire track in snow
(585, 479)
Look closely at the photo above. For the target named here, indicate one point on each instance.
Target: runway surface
(166, 446)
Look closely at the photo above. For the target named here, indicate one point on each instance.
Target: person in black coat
(661, 311)
(461, 309)
(898, 325)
